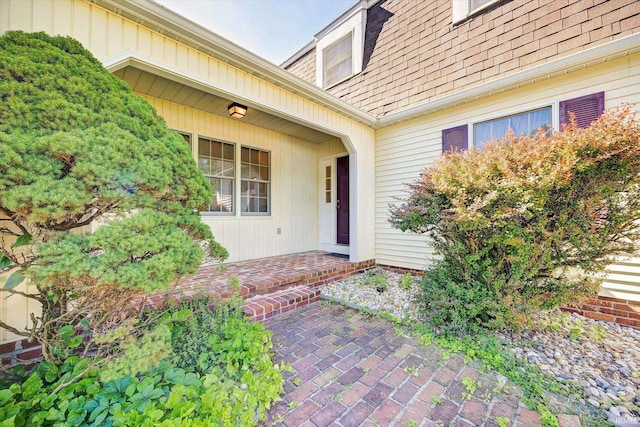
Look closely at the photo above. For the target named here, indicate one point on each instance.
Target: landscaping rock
(602, 358)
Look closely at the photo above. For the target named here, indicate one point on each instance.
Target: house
(328, 139)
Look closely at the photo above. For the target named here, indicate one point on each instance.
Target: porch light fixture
(237, 111)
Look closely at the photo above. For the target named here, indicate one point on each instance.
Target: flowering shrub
(527, 222)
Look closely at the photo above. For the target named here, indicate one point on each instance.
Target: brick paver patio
(351, 369)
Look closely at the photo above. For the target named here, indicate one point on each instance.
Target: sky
(272, 29)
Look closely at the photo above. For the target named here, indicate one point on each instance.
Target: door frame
(327, 212)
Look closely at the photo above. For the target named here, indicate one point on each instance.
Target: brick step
(264, 307)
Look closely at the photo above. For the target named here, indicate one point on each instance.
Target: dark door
(342, 202)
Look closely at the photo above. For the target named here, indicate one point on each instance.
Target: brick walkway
(354, 370)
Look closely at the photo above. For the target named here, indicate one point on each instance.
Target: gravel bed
(602, 358)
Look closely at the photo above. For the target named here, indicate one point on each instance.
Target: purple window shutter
(586, 108)
(455, 138)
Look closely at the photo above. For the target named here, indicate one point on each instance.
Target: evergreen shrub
(77, 148)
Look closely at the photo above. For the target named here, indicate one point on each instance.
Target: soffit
(160, 87)
(173, 25)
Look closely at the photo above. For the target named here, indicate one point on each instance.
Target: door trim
(327, 212)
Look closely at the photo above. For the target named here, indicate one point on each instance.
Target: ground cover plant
(527, 223)
(219, 372)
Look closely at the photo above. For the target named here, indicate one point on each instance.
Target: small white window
(337, 61)
(524, 123)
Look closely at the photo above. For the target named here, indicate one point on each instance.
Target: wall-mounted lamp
(237, 111)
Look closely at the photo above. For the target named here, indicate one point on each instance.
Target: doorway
(342, 200)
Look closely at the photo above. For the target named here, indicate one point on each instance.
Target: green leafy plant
(437, 400)
(470, 387)
(375, 278)
(406, 282)
(502, 421)
(527, 223)
(236, 386)
(78, 146)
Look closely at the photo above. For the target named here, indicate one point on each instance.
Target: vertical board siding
(293, 201)
(403, 150)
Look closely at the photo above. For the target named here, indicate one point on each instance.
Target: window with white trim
(526, 123)
(255, 181)
(465, 8)
(216, 160)
(337, 61)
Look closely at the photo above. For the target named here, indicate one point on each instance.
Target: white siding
(105, 33)
(293, 201)
(403, 150)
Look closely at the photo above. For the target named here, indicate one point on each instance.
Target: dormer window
(337, 61)
(462, 9)
(340, 47)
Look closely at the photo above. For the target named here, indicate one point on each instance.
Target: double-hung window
(337, 61)
(216, 160)
(246, 172)
(522, 124)
(255, 182)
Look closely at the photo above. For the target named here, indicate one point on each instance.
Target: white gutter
(165, 21)
(598, 54)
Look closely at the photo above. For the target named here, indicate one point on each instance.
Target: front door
(342, 200)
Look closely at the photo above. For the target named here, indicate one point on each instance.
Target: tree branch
(14, 330)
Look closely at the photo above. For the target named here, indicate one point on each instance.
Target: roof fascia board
(299, 54)
(360, 5)
(159, 18)
(598, 54)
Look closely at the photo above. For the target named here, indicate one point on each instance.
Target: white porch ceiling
(160, 87)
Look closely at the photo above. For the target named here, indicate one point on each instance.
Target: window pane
(245, 171)
(255, 172)
(220, 171)
(481, 134)
(218, 167)
(216, 149)
(203, 164)
(245, 155)
(229, 169)
(228, 153)
(264, 173)
(203, 147)
(540, 119)
(520, 124)
(337, 61)
(524, 123)
(222, 195)
(255, 180)
(264, 158)
(474, 4)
